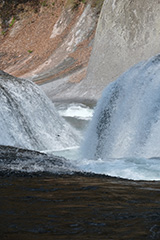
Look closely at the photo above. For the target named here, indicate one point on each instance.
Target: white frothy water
(135, 167)
(126, 122)
(76, 110)
(128, 168)
(28, 119)
(123, 137)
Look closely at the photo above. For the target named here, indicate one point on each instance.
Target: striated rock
(127, 32)
(30, 49)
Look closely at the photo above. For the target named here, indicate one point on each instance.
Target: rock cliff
(49, 39)
(53, 41)
(128, 32)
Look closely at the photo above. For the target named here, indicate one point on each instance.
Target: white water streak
(126, 122)
(28, 118)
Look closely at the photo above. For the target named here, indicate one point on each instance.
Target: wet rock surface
(20, 162)
(10, 154)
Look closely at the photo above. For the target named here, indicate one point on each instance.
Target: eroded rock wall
(128, 31)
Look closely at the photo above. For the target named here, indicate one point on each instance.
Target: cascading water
(122, 139)
(28, 118)
(126, 122)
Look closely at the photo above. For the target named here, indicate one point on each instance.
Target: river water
(47, 198)
(78, 206)
(105, 188)
(135, 168)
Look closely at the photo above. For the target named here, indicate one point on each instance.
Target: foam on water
(76, 110)
(128, 168)
(29, 162)
(126, 122)
(123, 137)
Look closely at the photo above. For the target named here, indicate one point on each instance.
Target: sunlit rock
(127, 33)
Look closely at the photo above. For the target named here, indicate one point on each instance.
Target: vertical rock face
(29, 49)
(128, 31)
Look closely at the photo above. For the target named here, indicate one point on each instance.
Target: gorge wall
(128, 31)
(51, 44)
(47, 40)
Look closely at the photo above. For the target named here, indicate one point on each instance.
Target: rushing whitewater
(122, 140)
(126, 122)
(28, 118)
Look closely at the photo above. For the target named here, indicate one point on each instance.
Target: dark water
(77, 206)
(44, 205)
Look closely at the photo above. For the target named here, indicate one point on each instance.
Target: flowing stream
(53, 174)
(122, 140)
(123, 137)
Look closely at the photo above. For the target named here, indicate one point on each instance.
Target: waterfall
(126, 121)
(28, 118)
